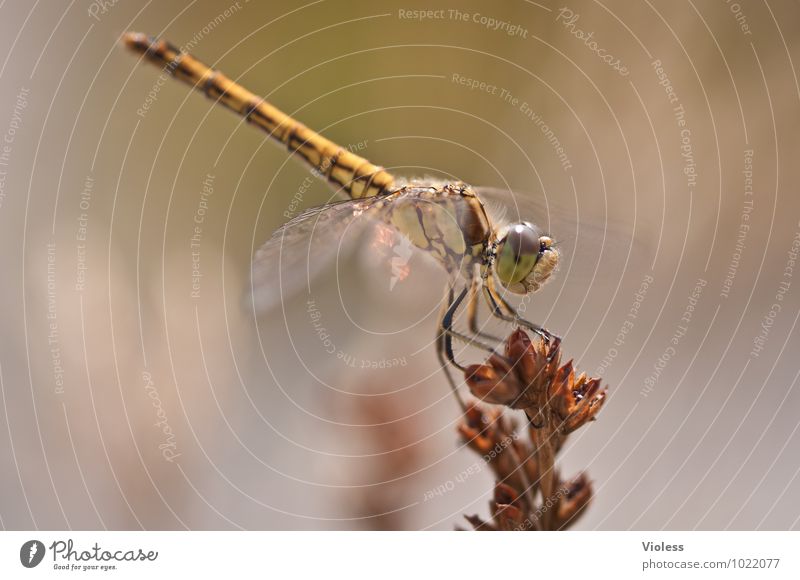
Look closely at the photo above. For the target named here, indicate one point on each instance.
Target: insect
(448, 221)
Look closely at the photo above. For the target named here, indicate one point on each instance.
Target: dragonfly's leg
(444, 347)
(472, 311)
(444, 339)
(440, 353)
(446, 328)
(497, 305)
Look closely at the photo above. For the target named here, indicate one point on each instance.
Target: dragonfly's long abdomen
(356, 176)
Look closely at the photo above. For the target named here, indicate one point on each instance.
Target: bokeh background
(129, 402)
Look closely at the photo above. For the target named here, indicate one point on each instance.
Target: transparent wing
(558, 216)
(575, 229)
(597, 251)
(306, 245)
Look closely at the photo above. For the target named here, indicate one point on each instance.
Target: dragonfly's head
(524, 258)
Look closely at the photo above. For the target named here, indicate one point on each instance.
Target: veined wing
(437, 220)
(553, 214)
(305, 245)
(572, 228)
(592, 249)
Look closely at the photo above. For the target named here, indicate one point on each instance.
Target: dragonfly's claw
(548, 337)
(543, 333)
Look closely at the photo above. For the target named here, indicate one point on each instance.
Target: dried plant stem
(529, 487)
(556, 402)
(546, 459)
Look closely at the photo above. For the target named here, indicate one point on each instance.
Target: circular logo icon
(31, 553)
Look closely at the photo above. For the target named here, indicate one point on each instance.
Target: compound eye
(518, 253)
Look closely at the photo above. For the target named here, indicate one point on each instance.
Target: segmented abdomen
(352, 174)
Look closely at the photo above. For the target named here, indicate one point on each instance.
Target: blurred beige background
(128, 402)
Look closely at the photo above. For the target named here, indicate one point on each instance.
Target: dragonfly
(448, 221)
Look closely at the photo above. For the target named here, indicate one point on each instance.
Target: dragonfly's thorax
(447, 221)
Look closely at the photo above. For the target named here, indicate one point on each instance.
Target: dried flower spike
(529, 494)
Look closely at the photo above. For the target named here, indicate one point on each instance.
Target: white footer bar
(402, 555)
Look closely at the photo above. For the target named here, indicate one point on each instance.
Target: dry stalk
(529, 493)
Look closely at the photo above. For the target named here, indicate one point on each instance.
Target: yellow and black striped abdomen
(354, 175)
